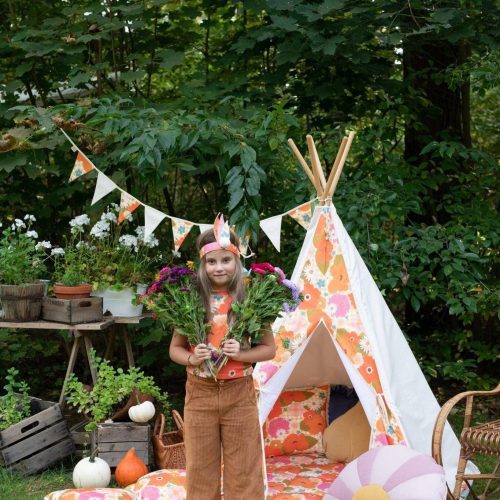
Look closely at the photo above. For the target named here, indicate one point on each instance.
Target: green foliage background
(188, 105)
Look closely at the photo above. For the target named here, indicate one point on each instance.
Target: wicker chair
(483, 439)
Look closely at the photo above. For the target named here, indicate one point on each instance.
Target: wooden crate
(37, 441)
(81, 438)
(72, 311)
(115, 439)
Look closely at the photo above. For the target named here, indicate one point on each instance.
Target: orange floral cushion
(90, 494)
(296, 422)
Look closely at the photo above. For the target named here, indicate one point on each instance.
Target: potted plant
(74, 264)
(113, 394)
(124, 263)
(21, 264)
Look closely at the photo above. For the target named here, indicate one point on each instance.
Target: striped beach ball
(390, 473)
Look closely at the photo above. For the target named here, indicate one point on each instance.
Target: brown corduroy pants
(221, 422)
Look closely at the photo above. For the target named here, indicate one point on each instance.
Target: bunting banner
(152, 219)
(127, 205)
(205, 227)
(180, 229)
(244, 243)
(302, 214)
(104, 186)
(272, 229)
(82, 166)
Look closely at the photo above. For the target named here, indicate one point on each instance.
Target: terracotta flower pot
(72, 292)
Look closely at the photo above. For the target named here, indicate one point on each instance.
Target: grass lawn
(14, 486)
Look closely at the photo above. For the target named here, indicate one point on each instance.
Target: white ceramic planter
(119, 303)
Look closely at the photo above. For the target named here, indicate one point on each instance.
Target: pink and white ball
(390, 473)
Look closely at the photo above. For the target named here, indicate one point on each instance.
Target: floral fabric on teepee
(328, 296)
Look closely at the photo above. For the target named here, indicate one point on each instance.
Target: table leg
(71, 366)
(128, 347)
(110, 345)
(88, 347)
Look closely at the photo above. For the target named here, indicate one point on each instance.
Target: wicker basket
(169, 446)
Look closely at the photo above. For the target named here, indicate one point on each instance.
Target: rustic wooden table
(84, 331)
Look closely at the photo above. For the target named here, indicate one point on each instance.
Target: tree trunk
(438, 112)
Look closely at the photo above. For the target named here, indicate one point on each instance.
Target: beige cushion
(348, 436)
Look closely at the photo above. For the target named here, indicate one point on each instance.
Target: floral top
(220, 304)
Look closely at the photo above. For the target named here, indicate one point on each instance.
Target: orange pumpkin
(130, 469)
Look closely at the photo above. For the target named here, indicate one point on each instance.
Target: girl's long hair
(236, 287)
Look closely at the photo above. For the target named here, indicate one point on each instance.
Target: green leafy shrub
(113, 388)
(15, 404)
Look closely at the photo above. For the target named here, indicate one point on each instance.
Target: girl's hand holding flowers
(201, 353)
(231, 348)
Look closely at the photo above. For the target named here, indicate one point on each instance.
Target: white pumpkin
(142, 412)
(91, 473)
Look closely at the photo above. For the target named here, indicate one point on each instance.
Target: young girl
(220, 416)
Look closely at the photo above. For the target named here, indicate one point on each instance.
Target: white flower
(100, 229)
(78, 222)
(175, 253)
(1, 224)
(151, 241)
(43, 244)
(57, 251)
(19, 223)
(30, 217)
(32, 234)
(109, 216)
(82, 244)
(139, 230)
(129, 241)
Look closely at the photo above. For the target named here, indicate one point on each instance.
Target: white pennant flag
(272, 229)
(204, 227)
(103, 186)
(152, 218)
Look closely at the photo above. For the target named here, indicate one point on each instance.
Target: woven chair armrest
(437, 434)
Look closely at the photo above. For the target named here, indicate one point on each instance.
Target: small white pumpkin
(91, 472)
(142, 412)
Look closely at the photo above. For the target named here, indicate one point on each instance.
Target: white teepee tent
(344, 333)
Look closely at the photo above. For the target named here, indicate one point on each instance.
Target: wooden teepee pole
(341, 165)
(335, 165)
(316, 164)
(305, 166)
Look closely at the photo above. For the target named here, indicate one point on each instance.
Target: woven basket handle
(159, 425)
(178, 422)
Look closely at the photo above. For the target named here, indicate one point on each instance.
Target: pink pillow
(296, 423)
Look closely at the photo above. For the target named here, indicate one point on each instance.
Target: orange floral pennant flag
(180, 229)
(127, 205)
(302, 214)
(82, 166)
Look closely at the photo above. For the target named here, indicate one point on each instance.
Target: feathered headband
(223, 238)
